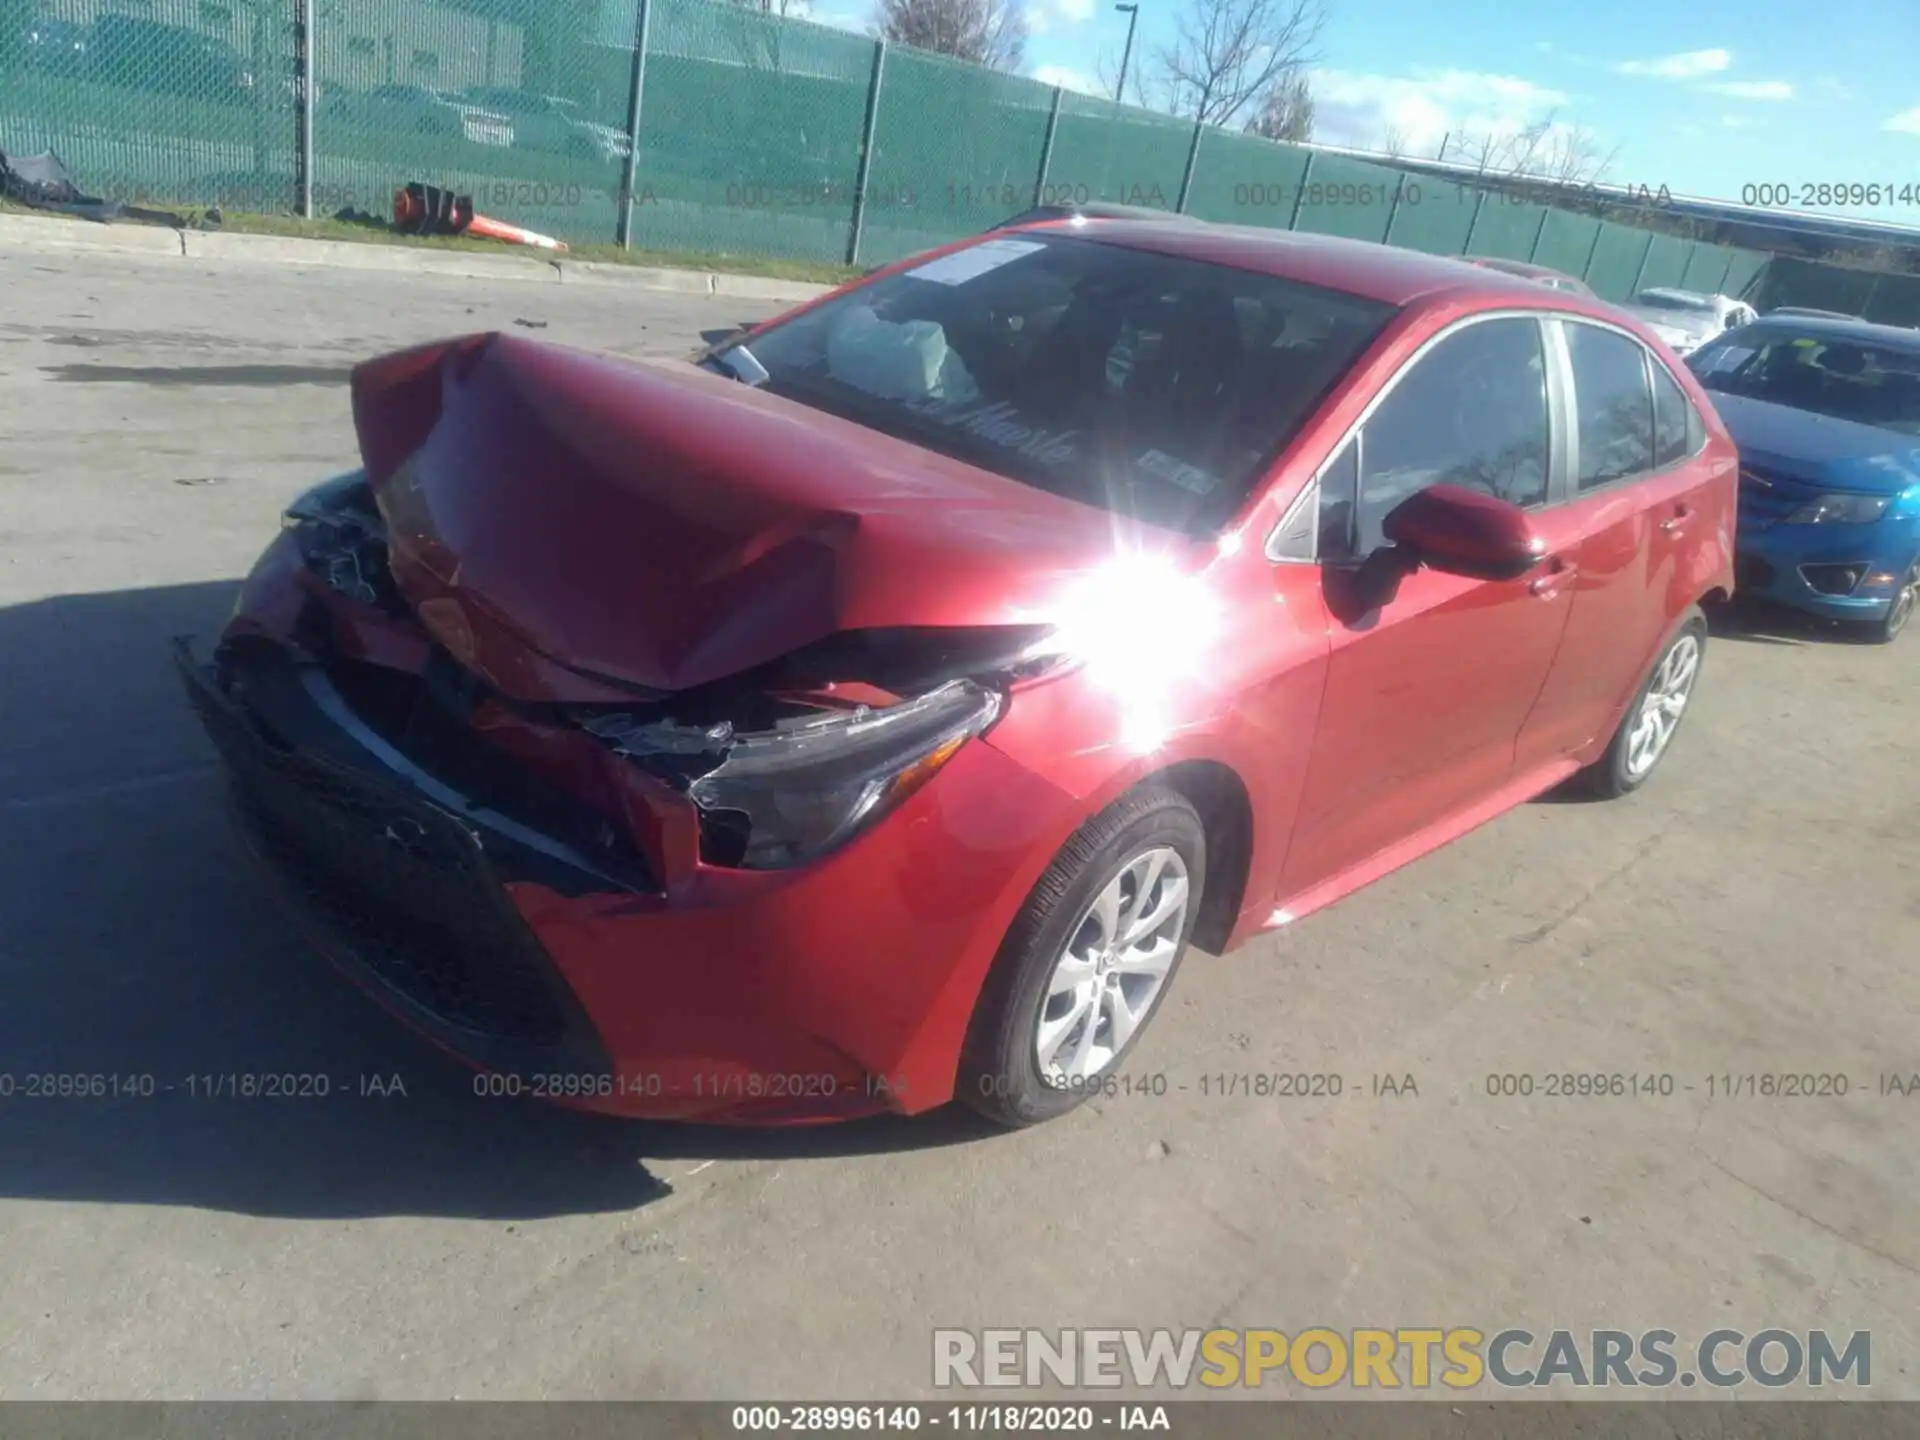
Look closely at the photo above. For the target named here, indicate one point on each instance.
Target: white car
(1687, 320)
(417, 110)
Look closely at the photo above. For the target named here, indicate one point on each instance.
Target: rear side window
(1677, 431)
(1614, 405)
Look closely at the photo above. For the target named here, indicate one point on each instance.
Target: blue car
(1826, 413)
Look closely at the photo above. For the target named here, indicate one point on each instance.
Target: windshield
(1673, 300)
(1868, 383)
(1150, 386)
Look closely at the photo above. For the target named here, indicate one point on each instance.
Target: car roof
(1356, 267)
(1864, 332)
(1514, 267)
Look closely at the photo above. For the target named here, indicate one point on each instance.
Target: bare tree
(1226, 54)
(986, 32)
(1394, 144)
(1565, 155)
(1106, 70)
(1286, 111)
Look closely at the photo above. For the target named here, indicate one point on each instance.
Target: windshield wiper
(740, 364)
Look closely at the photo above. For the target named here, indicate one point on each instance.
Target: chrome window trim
(1648, 359)
(1555, 423)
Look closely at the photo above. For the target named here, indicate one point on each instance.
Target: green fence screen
(1433, 215)
(753, 131)
(1566, 242)
(1243, 180)
(1509, 231)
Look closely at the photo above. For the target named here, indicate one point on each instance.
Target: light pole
(1132, 12)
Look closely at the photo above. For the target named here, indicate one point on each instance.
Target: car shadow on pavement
(139, 955)
(1764, 622)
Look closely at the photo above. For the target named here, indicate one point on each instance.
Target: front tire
(1087, 962)
(1646, 731)
(1906, 600)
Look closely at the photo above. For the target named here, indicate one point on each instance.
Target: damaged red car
(873, 712)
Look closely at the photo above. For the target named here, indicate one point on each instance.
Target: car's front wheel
(1652, 719)
(1906, 599)
(1087, 962)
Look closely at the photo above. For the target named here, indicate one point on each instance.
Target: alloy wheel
(1113, 968)
(1665, 701)
(1904, 602)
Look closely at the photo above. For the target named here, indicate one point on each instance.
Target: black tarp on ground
(43, 182)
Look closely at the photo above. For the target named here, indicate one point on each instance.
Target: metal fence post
(1645, 255)
(1193, 158)
(1393, 207)
(1540, 233)
(1306, 170)
(303, 121)
(636, 90)
(1046, 146)
(1592, 250)
(1479, 204)
(866, 153)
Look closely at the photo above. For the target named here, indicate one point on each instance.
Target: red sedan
(874, 712)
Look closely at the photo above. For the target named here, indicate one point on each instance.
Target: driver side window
(1472, 412)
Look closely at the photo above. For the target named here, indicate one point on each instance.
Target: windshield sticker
(977, 260)
(998, 423)
(1190, 478)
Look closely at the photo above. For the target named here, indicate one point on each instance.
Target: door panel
(1422, 707)
(1642, 502)
(1428, 686)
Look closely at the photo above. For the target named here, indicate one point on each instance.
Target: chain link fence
(696, 126)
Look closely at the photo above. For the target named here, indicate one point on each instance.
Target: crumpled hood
(553, 513)
(1819, 448)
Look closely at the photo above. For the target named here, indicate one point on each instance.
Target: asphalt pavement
(1753, 912)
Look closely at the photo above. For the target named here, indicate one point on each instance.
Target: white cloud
(1044, 15)
(1753, 89)
(1736, 122)
(1068, 78)
(1907, 122)
(1358, 110)
(856, 21)
(1688, 65)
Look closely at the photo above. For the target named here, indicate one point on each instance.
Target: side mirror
(1465, 532)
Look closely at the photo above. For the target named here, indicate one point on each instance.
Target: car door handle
(1678, 521)
(1546, 586)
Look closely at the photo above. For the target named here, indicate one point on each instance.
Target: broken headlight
(343, 539)
(783, 795)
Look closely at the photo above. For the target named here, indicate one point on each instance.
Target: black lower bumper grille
(402, 884)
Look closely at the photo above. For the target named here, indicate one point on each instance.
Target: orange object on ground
(429, 210)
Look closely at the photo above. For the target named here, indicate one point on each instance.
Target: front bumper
(839, 989)
(1803, 566)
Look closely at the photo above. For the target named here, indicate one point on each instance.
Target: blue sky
(1705, 97)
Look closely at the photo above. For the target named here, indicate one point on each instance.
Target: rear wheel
(1650, 723)
(1087, 962)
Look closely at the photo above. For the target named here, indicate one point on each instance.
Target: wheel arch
(1217, 792)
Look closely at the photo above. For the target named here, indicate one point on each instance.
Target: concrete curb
(39, 234)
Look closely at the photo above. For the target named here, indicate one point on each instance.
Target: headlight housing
(1840, 510)
(779, 797)
(343, 539)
